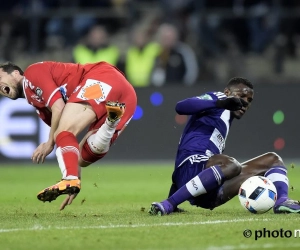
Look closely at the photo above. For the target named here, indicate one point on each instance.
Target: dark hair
(238, 80)
(9, 67)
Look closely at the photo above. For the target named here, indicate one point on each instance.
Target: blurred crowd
(158, 42)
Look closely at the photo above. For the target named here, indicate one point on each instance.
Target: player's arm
(56, 110)
(195, 105)
(46, 148)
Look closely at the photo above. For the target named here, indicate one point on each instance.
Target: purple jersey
(206, 130)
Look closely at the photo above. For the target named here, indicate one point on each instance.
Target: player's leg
(196, 179)
(75, 117)
(112, 117)
(256, 166)
(271, 166)
(97, 142)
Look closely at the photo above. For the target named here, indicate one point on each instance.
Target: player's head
(11, 77)
(241, 88)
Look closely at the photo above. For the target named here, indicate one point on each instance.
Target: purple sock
(277, 175)
(207, 180)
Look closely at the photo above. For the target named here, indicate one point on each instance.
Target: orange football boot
(62, 187)
(115, 110)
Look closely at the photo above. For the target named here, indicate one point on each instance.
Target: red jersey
(46, 82)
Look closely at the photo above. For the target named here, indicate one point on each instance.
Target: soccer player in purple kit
(203, 175)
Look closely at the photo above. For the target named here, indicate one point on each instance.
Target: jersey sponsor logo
(218, 140)
(205, 97)
(94, 90)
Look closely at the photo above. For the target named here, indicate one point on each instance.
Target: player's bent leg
(75, 117)
(196, 179)
(271, 166)
(229, 166)
(97, 142)
(256, 166)
(100, 141)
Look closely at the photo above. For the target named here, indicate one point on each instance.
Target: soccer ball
(257, 194)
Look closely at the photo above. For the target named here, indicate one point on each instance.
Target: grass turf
(111, 213)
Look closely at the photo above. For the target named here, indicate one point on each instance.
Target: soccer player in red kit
(69, 97)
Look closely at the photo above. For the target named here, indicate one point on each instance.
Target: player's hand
(70, 197)
(231, 103)
(67, 201)
(41, 152)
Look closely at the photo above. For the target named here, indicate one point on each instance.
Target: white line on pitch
(167, 224)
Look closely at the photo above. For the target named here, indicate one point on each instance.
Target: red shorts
(103, 84)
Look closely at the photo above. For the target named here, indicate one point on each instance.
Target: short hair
(9, 67)
(239, 80)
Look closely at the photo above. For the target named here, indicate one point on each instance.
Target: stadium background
(153, 134)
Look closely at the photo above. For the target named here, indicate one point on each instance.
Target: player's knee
(275, 159)
(233, 167)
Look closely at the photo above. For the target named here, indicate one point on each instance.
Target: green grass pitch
(111, 213)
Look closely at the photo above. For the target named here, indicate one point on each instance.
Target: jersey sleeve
(195, 105)
(39, 74)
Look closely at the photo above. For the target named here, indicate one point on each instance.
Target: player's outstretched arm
(194, 105)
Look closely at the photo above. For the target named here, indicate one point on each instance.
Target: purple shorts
(187, 171)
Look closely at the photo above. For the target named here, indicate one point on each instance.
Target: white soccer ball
(257, 194)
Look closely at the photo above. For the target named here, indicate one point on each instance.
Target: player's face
(243, 92)
(10, 84)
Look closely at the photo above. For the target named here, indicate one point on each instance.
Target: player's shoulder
(220, 95)
(214, 95)
(37, 66)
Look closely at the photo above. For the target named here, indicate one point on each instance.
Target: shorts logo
(95, 90)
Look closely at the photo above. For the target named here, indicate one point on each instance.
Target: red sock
(69, 149)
